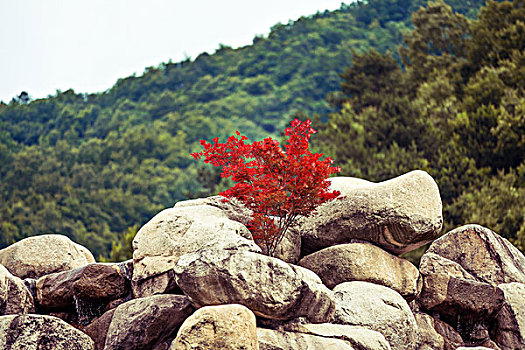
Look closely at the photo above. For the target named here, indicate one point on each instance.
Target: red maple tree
(277, 185)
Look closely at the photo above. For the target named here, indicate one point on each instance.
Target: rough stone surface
(102, 281)
(398, 215)
(289, 249)
(306, 274)
(37, 332)
(378, 308)
(485, 255)
(98, 329)
(232, 208)
(279, 340)
(435, 334)
(461, 271)
(431, 263)
(163, 283)
(55, 291)
(218, 327)
(468, 305)
(186, 229)
(509, 329)
(268, 286)
(37, 256)
(93, 282)
(466, 298)
(360, 338)
(140, 323)
(363, 262)
(15, 297)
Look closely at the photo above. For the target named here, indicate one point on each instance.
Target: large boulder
(177, 231)
(163, 283)
(359, 337)
(268, 286)
(484, 254)
(37, 332)
(231, 207)
(451, 290)
(15, 298)
(279, 340)
(467, 304)
(398, 215)
(102, 281)
(288, 250)
(98, 329)
(378, 308)
(37, 256)
(88, 290)
(140, 323)
(55, 291)
(363, 262)
(509, 329)
(435, 334)
(218, 327)
(461, 272)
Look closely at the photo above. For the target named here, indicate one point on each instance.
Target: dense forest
(394, 85)
(454, 107)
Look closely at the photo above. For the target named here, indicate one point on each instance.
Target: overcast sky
(49, 45)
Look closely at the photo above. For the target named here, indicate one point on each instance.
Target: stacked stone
(473, 280)
(198, 281)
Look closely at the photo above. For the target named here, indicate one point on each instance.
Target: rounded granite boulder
(36, 256)
(398, 215)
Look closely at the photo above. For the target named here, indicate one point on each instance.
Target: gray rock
(398, 215)
(360, 338)
(306, 274)
(102, 281)
(431, 263)
(177, 231)
(15, 297)
(363, 262)
(37, 332)
(55, 291)
(469, 305)
(288, 250)
(435, 334)
(94, 282)
(268, 286)
(85, 293)
(140, 323)
(378, 308)
(231, 207)
(37, 256)
(461, 272)
(509, 328)
(163, 283)
(218, 327)
(280, 340)
(450, 290)
(98, 329)
(485, 255)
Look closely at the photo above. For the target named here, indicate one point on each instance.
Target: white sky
(49, 45)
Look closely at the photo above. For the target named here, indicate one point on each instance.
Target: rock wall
(198, 281)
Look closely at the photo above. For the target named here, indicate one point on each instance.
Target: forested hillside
(95, 166)
(456, 109)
